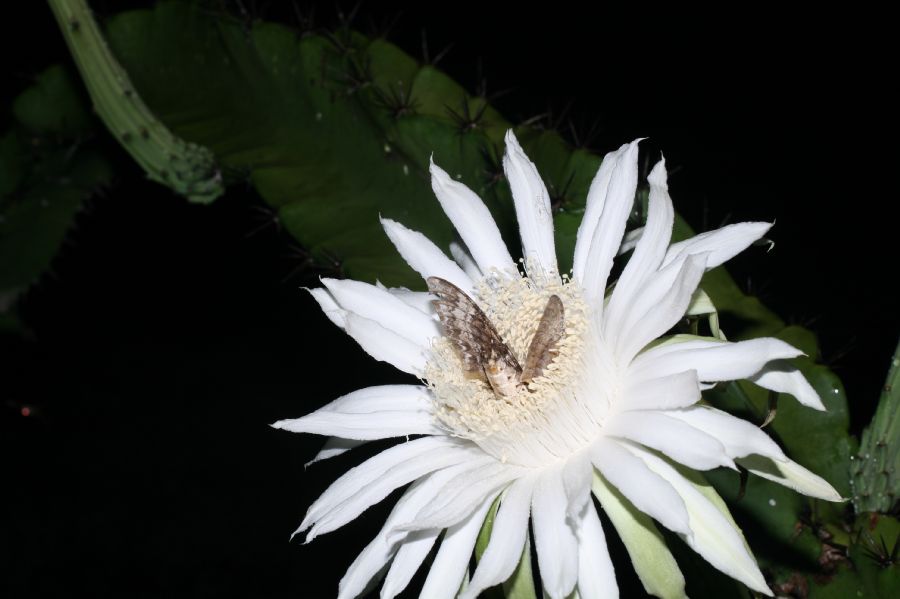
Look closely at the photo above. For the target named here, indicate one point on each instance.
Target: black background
(168, 336)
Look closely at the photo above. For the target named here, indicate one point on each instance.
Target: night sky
(168, 336)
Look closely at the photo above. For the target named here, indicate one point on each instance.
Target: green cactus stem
(873, 472)
(187, 168)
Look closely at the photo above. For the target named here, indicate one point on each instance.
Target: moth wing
(471, 332)
(542, 349)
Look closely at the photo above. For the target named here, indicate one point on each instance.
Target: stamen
(552, 416)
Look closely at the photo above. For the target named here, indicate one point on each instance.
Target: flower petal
(379, 552)
(504, 550)
(369, 472)
(648, 491)
(712, 360)
(363, 427)
(332, 448)
(792, 475)
(609, 230)
(424, 257)
(629, 242)
(404, 398)
(652, 560)
(462, 257)
(739, 437)
(473, 222)
(420, 300)
(393, 478)
(722, 244)
(712, 534)
(384, 308)
(596, 198)
(596, 576)
(784, 377)
(452, 560)
(554, 536)
(532, 204)
(329, 306)
(678, 390)
(648, 254)
(485, 478)
(577, 475)
(675, 438)
(385, 345)
(665, 313)
(406, 562)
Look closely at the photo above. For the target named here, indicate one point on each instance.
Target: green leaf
(45, 176)
(54, 105)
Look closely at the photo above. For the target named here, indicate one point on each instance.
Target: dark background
(168, 335)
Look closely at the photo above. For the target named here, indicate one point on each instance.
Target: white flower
(616, 410)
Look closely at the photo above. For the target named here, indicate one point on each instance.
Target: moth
(484, 353)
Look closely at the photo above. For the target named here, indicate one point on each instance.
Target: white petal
(629, 242)
(722, 244)
(665, 313)
(329, 306)
(371, 417)
(578, 473)
(384, 308)
(424, 257)
(713, 361)
(675, 438)
(462, 257)
(473, 222)
(420, 300)
(379, 552)
(332, 448)
(608, 233)
(596, 576)
(554, 536)
(596, 198)
(713, 535)
(678, 390)
(452, 560)
(649, 492)
(356, 479)
(532, 204)
(363, 427)
(508, 535)
(652, 560)
(648, 254)
(784, 377)
(408, 398)
(739, 437)
(467, 489)
(396, 476)
(792, 475)
(385, 345)
(406, 562)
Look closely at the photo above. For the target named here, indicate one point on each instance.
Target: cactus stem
(122, 110)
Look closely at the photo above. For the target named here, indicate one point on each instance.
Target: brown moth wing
(479, 344)
(542, 349)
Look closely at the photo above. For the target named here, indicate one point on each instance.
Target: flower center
(545, 420)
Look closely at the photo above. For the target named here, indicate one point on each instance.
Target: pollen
(542, 421)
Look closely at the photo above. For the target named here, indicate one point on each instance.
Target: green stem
(873, 472)
(186, 168)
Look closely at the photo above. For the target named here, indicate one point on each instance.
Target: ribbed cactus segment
(185, 167)
(875, 470)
